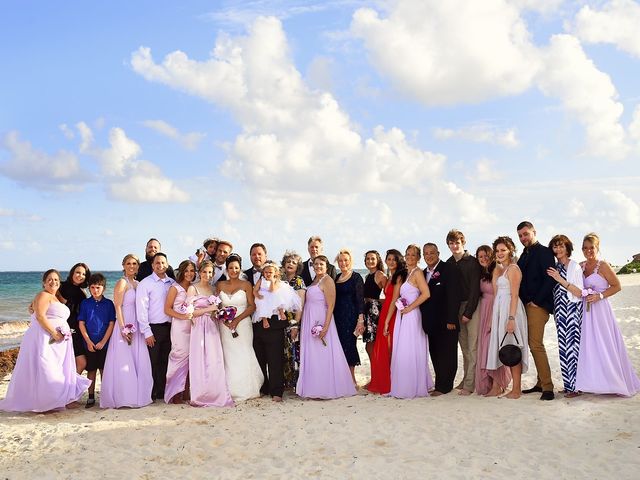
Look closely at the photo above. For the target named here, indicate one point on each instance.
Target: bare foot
(464, 392)
(276, 398)
(494, 392)
(72, 405)
(436, 393)
(513, 395)
(572, 394)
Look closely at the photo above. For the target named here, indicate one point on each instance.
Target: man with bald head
(153, 246)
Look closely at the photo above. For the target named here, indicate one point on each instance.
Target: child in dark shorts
(96, 319)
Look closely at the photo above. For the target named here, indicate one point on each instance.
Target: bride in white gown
(244, 377)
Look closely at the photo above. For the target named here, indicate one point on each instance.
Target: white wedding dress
(244, 376)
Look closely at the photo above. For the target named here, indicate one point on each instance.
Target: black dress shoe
(547, 396)
(534, 389)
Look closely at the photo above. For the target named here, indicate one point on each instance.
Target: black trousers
(443, 350)
(159, 356)
(268, 343)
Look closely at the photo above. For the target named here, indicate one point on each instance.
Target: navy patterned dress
(568, 317)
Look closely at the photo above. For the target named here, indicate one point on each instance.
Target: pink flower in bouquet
(129, 329)
(214, 300)
(316, 330)
(586, 292)
(65, 331)
(226, 316)
(401, 304)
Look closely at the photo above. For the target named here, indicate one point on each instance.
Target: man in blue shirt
(96, 319)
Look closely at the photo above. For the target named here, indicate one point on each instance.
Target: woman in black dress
(374, 282)
(72, 293)
(349, 310)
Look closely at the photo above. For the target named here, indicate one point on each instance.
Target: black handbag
(510, 355)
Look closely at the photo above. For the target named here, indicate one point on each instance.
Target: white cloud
(320, 73)
(623, 208)
(231, 213)
(189, 140)
(486, 171)
(587, 93)
(481, 133)
(35, 168)
(86, 136)
(451, 52)
(617, 23)
(126, 177)
(66, 131)
(634, 126)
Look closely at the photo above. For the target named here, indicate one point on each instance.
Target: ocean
(17, 290)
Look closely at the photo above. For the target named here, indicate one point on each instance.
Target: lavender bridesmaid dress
(44, 377)
(127, 379)
(410, 376)
(207, 377)
(603, 363)
(324, 372)
(178, 367)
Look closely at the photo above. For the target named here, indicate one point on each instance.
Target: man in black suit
(223, 250)
(315, 248)
(536, 292)
(153, 246)
(440, 318)
(258, 255)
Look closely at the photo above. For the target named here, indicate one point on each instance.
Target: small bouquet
(65, 331)
(586, 292)
(226, 316)
(401, 304)
(127, 330)
(214, 300)
(316, 330)
(186, 308)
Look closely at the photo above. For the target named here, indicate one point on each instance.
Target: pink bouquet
(65, 331)
(186, 308)
(401, 304)
(127, 330)
(214, 300)
(226, 316)
(586, 292)
(316, 330)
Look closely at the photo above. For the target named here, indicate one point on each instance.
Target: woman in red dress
(381, 355)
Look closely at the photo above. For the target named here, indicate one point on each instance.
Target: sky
(373, 124)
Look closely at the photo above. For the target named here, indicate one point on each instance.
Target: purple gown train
(127, 379)
(44, 377)
(410, 375)
(603, 362)
(324, 372)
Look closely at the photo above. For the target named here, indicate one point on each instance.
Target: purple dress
(127, 379)
(207, 378)
(324, 372)
(410, 376)
(45, 377)
(603, 363)
(178, 367)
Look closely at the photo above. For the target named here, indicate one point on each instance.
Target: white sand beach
(366, 436)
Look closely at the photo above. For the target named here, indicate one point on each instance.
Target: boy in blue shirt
(96, 319)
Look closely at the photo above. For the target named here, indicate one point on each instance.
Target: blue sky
(371, 124)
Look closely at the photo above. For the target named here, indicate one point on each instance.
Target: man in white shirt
(153, 322)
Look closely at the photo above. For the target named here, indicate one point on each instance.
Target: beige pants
(468, 339)
(537, 318)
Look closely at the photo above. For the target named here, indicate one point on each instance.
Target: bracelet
(601, 296)
(511, 317)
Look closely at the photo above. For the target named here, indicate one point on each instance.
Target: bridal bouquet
(127, 330)
(316, 330)
(401, 304)
(214, 300)
(65, 331)
(586, 292)
(226, 316)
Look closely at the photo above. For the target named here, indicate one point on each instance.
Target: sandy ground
(366, 436)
